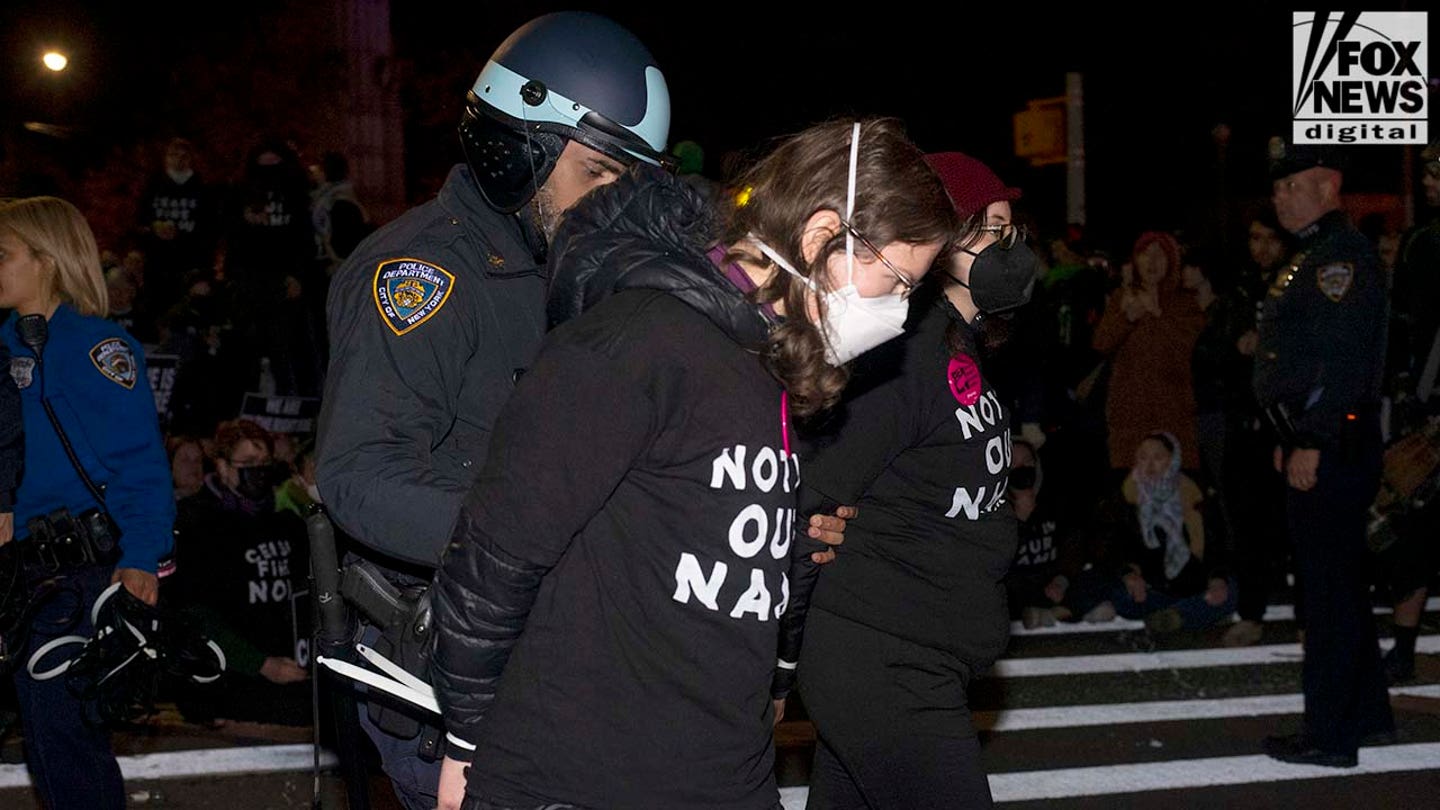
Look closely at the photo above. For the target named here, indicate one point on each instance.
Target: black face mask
(258, 483)
(1022, 478)
(1002, 278)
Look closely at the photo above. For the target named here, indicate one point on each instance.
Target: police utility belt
(61, 544)
(401, 657)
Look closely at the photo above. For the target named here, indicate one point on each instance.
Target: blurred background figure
(178, 222)
(1148, 332)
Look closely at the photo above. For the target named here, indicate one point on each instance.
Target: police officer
(434, 317)
(95, 474)
(12, 446)
(1318, 372)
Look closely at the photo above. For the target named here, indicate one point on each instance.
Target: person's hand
(451, 791)
(1217, 593)
(779, 710)
(1055, 591)
(1301, 469)
(1131, 305)
(142, 585)
(7, 527)
(1150, 302)
(1248, 342)
(1135, 584)
(164, 229)
(1279, 459)
(830, 530)
(282, 671)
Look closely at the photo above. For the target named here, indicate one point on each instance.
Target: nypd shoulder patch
(1335, 279)
(112, 356)
(408, 292)
(22, 371)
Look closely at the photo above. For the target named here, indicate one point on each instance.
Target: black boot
(1298, 750)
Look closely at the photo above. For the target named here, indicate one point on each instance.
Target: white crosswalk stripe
(1202, 733)
(1158, 711)
(1171, 659)
(1273, 613)
(1111, 780)
(204, 762)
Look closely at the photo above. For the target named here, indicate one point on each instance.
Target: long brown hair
(897, 199)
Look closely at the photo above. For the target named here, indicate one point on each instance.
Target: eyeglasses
(899, 276)
(1006, 235)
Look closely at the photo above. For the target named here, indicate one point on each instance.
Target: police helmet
(562, 77)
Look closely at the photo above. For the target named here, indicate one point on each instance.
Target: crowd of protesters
(1141, 473)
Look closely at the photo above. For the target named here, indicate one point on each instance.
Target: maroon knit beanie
(970, 183)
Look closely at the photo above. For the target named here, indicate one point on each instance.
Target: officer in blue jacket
(12, 446)
(95, 472)
(1318, 371)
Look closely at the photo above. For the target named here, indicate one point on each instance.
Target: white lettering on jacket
(756, 528)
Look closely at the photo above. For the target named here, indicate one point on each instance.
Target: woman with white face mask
(607, 612)
(915, 606)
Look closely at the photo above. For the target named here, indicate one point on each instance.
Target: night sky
(1156, 79)
(742, 72)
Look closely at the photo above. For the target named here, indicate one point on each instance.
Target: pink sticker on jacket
(964, 376)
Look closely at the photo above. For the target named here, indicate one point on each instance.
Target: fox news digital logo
(1360, 77)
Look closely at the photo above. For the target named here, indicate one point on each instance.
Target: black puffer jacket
(646, 231)
(633, 520)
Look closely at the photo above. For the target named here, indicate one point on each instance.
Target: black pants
(891, 719)
(1344, 684)
(416, 780)
(70, 761)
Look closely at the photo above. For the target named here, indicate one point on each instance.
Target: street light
(55, 63)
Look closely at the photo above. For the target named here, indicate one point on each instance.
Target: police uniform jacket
(1321, 353)
(431, 321)
(12, 434)
(94, 378)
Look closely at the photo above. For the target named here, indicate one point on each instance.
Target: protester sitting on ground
(1156, 567)
(299, 490)
(187, 465)
(1049, 555)
(239, 563)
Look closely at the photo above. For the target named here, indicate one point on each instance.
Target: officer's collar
(63, 312)
(1325, 223)
(509, 233)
